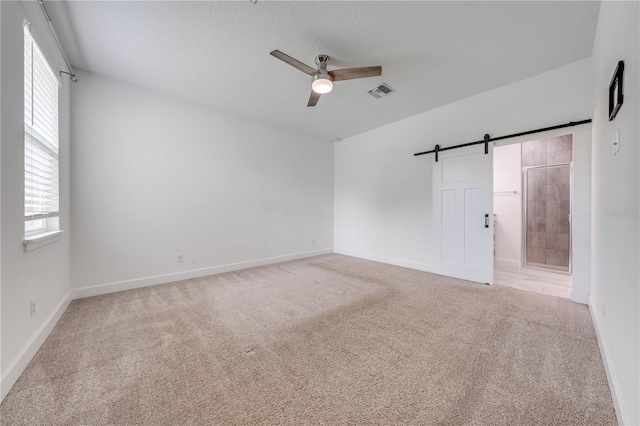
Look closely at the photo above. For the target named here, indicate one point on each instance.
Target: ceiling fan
(322, 79)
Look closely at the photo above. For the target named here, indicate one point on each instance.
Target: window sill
(32, 242)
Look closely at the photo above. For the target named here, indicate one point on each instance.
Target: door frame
(582, 219)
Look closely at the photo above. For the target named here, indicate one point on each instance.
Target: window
(40, 140)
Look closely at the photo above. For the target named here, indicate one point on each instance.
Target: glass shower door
(548, 216)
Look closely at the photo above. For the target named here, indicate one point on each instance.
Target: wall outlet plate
(616, 141)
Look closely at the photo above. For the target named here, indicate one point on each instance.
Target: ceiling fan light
(322, 84)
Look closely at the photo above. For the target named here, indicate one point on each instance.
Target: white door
(463, 213)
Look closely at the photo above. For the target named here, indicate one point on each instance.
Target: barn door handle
(486, 220)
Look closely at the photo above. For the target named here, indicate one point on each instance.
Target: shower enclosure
(547, 186)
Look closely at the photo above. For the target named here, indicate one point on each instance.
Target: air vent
(383, 90)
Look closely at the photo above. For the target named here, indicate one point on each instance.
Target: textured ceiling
(217, 53)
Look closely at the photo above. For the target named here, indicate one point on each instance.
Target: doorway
(532, 215)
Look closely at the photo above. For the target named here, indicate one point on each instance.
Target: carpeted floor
(325, 340)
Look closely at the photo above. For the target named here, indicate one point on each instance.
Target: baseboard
(99, 289)
(426, 267)
(618, 403)
(11, 375)
(580, 297)
(507, 263)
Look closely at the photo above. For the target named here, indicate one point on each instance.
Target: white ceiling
(217, 53)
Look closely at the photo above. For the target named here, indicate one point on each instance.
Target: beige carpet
(325, 340)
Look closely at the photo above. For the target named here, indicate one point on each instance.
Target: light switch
(616, 142)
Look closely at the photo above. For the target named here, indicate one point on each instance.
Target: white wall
(615, 273)
(581, 217)
(154, 177)
(507, 205)
(383, 192)
(42, 274)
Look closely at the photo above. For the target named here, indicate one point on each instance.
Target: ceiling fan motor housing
(322, 76)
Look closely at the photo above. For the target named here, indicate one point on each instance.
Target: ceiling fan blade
(294, 63)
(351, 73)
(313, 99)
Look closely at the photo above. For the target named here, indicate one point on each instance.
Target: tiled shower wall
(548, 201)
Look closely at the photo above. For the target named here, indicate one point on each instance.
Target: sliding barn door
(463, 214)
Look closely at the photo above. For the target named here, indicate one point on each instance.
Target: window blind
(40, 134)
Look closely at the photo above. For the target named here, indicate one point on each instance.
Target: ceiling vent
(383, 90)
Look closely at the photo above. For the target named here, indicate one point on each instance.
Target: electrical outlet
(32, 307)
(313, 242)
(180, 258)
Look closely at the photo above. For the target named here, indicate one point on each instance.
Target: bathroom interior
(532, 215)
